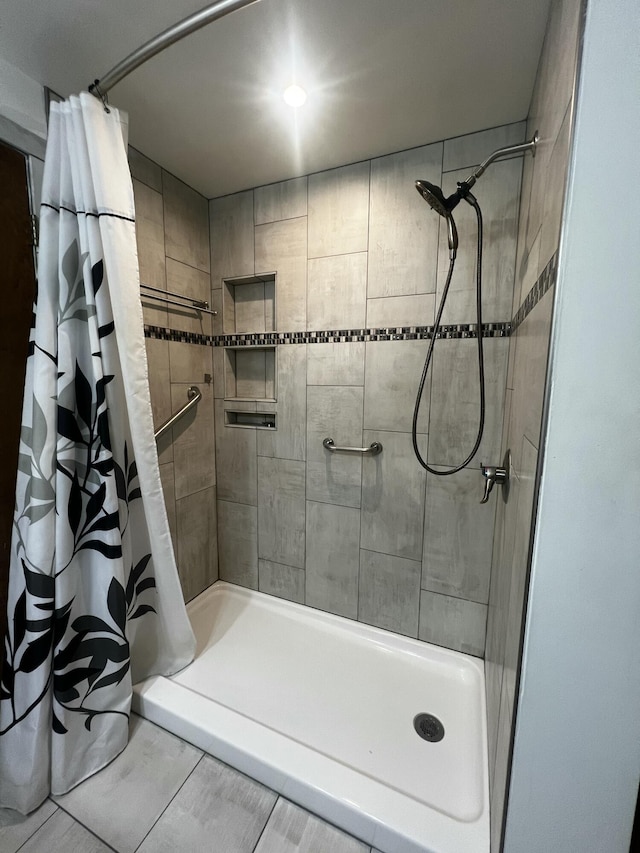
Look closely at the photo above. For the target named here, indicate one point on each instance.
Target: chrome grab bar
(194, 394)
(196, 304)
(373, 449)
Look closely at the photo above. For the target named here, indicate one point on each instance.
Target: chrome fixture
(373, 449)
(189, 301)
(435, 198)
(194, 394)
(494, 474)
(165, 39)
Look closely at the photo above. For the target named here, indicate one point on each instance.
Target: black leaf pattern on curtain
(91, 653)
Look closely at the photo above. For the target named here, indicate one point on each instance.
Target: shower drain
(428, 727)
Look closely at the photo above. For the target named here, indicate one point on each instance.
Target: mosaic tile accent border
(392, 333)
(163, 334)
(546, 279)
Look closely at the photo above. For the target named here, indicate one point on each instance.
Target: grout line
(76, 820)
(453, 595)
(266, 823)
(176, 793)
(44, 822)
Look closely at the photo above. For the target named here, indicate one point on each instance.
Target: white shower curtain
(94, 597)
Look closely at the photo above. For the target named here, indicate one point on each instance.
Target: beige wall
(541, 205)
(172, 226)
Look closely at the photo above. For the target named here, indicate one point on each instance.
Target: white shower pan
(321, 710)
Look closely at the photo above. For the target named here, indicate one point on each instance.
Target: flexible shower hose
(414, 429)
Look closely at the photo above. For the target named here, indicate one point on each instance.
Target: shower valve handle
(492, 474)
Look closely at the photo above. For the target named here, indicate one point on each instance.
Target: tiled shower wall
(543, 188)
(355, 249)
(172, 228)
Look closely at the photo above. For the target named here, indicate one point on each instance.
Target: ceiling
(381, 76)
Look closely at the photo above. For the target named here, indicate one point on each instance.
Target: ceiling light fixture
(294, 95)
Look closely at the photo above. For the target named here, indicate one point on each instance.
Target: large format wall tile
(551, 96)
(389, 592)
(543, 186)
(417, 310)
(145, 170)
(288, 441)
(160, 391)
(197, 552)
(452, 622)
(281, 247)
(531, 341)
(169, 492)
(173, 238)
(285, 200)
(238, 543)
(333, 541)
(150, 243)
(189, 362)
(186, 223)
(458, 535)
(554, 195)
(150, 235)
(517, 587)
(497, 614)
(236, 474)
(498, 196)
(465, 152)
(193, 443)
(455, 400)
(335, 364)
(334, 412)
(403, 233)
(392, 376)
(284, 581)
(232, 237)
(188, 281)
(337, 292)
(393, 496)
(339, 211)
(281, 511)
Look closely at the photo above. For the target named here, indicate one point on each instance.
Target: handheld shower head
(434, 197)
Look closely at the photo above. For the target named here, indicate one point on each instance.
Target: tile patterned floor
(162, 795)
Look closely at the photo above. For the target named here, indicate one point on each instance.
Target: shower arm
(507, 151)
(163, 40)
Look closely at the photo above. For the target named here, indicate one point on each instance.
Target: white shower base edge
(321, 710)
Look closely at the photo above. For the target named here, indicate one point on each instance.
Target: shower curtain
(94, 597)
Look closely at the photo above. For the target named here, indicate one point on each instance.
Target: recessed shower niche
(249, 308)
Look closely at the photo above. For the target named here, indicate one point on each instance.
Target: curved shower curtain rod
(165, 39)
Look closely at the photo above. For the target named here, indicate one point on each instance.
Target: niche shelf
(250, 420)
(249, 304)
(249, 307)
(250, 373)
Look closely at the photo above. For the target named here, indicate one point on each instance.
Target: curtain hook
(94, 88)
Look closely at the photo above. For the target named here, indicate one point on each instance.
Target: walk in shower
(321, 501)
(357, 615)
